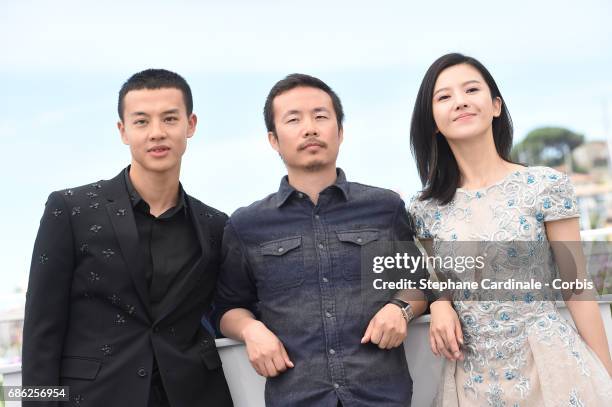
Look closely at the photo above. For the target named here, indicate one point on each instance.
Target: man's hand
(445, 333)
(387, 329)
(266, 352)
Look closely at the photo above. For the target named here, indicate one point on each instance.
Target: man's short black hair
(296, 80)
(156, 79)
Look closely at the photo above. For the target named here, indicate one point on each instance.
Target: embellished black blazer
(88, 323)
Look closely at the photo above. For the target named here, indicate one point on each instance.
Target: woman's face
(462, 104)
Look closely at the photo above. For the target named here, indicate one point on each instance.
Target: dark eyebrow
(463, 84)
(171, 111)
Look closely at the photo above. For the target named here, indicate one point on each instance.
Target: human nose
(157, 131)
(460, 101)
(310, 128)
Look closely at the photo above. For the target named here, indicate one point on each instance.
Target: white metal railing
(594, 234)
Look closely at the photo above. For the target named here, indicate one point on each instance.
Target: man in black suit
(124, 269)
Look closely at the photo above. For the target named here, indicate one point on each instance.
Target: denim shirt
(296, 266)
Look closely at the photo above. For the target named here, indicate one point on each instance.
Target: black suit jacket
(87, 322)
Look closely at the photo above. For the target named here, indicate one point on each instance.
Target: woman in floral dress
(518, 352)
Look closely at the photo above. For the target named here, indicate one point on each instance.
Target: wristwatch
(405, 307)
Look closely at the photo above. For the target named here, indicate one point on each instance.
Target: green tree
(546, 146)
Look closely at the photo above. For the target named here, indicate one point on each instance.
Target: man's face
(156, 127)
(307, 135)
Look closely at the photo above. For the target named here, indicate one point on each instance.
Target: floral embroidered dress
(517, 353)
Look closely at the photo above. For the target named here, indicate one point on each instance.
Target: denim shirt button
(317, 217)
(359, 240)
(325, 280)
(328, 314)
(332, 352)
(336, 386)
(321, 245)
(300, 195)
(280, 249)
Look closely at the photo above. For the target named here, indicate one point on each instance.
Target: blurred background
(63, 62)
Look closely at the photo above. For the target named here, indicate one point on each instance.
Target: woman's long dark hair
(436, 163)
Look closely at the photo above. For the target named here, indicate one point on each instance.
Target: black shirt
(168, 243)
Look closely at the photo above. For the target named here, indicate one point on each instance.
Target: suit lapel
(190, 280)
(121, 215)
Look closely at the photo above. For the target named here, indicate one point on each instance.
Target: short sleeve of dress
(557, 198)
(416, 209)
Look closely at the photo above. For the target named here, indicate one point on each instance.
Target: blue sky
(62, 64)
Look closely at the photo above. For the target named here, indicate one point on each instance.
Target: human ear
(124, 137)
(497, 106)
(273, 140)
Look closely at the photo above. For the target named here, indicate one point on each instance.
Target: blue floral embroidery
(539, 216)
(547, 204)
(530, 179)
(509, 375)
(567, 204)
(575, 399)
(478, 379)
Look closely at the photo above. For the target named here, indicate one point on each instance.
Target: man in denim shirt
(290, 280)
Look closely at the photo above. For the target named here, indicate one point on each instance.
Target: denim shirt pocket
(349, 250)
(282, 263)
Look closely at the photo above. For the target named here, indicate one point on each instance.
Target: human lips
(312, 143)
(158, 148)
(158, 151)
(464, 116)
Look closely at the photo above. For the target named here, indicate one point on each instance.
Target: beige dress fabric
(520, 352)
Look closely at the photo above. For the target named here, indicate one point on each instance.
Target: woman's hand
(445, 335)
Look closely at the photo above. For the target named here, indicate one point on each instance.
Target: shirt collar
(286, 190)
(135, 197)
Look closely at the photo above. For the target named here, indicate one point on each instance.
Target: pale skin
(156, 127)
(307, 133)
(460, 89)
